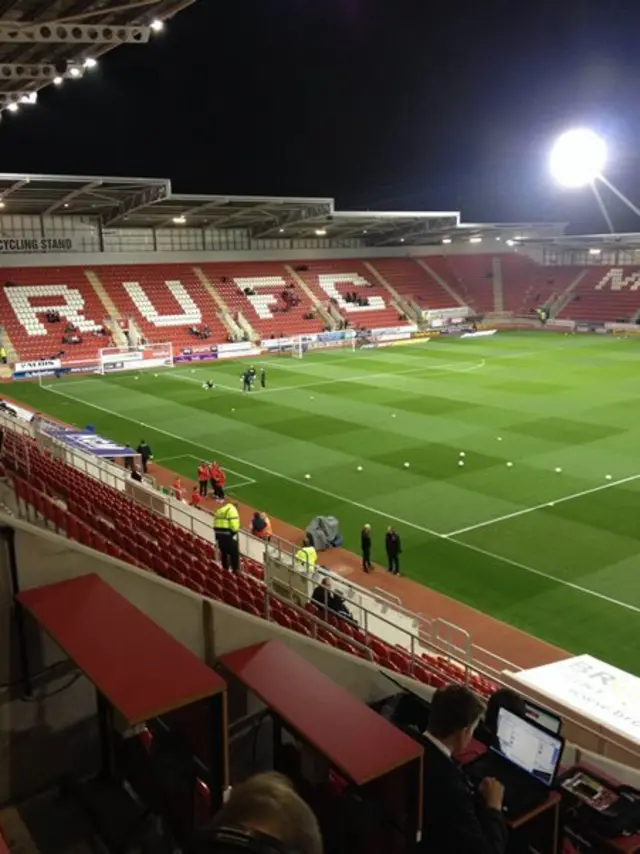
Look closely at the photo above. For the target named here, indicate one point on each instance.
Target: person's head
(390, 530)
(503, 698)
(367, 527)
(326, 583)
(455, 712)
(267, 805)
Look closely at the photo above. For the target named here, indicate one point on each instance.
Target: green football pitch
(522, 488)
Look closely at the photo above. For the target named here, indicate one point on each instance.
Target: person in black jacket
(458, 820)
(394, 549)
(365, 542)
(145, 454)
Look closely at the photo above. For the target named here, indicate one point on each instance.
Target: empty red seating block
(603, 295)
(413, 283)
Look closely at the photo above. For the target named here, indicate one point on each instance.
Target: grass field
(555, 553)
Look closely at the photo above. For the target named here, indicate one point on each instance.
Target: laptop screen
(532, 749)
(543, 717)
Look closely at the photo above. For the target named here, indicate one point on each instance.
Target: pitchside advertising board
(90, 443)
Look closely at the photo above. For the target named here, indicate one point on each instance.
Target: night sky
(383, 104)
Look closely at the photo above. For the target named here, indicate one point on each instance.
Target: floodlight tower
(577, 159)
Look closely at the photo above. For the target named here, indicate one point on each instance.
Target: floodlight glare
(57, 80)
(90, 62)
(12, 107)
(157, 25)
(578, 158)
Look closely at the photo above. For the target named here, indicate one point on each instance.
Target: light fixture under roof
(57, 81)
(320, 232)
(446, 240)
(595, 251)
(157, 25)
(475, 240)
(12, 107)
(180, 220)
(74, 71)
(90, 62)
(1, 205)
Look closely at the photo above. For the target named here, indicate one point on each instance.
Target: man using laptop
(456, 820)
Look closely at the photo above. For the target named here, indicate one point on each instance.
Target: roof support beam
(36, 72)
(196, 209)
(13, 188)
(133, 203)
(64, 201)
(53, 33)
(294, 218)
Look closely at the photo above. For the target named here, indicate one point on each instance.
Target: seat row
(100, 517)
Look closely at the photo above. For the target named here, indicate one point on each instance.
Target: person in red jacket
(203, 478)
(196, 497)
(219, 482)
(213, 470)
(178, 491)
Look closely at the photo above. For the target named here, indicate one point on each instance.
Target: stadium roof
(151, 203)
(46, 40)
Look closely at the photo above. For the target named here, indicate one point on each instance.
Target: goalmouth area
(508, 465)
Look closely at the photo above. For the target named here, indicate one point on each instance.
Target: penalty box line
(551, 503)
(562, 582)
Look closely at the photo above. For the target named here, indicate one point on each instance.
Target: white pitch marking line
(561, 581)
(451, 366)
(526, 510)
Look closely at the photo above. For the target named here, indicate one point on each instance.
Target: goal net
(139, 358)
(299, 346)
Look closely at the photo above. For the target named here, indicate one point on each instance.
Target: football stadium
(337, 494)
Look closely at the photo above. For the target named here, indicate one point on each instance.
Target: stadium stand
(470, 275)
(335, 280)
(103, 518)
(412, 282)
(526, 286)
(29, 292)
(605, 294)
(265, 309)
(166, 301)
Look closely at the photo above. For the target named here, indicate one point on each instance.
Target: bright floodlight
(578, 158)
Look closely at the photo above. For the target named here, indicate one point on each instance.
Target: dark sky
(388, 104)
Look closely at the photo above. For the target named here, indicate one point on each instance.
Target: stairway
(498, 293)
(562, 299)
(322, 312)
(113, 314)
(236, 332)
(411, 311)
(12, 355)
(442, 282)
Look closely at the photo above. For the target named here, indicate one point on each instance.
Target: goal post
(140, 358)
(305, 344)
